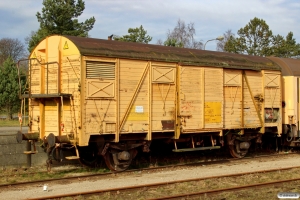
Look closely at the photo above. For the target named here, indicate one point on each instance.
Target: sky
(211, 18)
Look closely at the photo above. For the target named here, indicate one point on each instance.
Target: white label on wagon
(139, 109)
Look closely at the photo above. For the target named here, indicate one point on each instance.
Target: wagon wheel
(115, 164)
(235, 150)
(88, 157)
(88, 162)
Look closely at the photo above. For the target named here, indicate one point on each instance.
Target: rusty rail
(140, 169)
(230, 189)
(123, 189)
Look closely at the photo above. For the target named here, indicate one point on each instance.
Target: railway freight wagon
(110, 99)
(290, 99)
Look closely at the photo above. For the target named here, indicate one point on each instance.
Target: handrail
(30, 70)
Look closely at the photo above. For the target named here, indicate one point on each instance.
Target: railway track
(122, 192)
(229, 189)
(92, 175)
(139, 177)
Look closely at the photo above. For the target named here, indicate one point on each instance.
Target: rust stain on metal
(132, 50)
(290, 67)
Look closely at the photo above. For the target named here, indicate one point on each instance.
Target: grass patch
(12, 175)
(9, 123)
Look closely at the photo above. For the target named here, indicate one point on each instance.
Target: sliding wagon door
(200, 98)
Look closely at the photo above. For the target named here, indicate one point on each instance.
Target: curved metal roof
(289, 66)
(184, 56)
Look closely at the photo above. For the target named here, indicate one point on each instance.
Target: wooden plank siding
(35, 77)
(232, 98)
(201, 98)
(272, 99)
(191, 104)
(213, 98)
(34, 111)
(251, 118)
(162, 95)
(98, 112)
(115, 94)
(70, 74)
(254, 92)
(163, 104)
(133, 104)
(51, 117)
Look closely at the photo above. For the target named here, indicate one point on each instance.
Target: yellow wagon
(109, 98)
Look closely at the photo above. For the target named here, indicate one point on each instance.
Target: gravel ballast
(144, 177)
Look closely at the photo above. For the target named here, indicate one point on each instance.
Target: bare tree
(182, 36)
(160, 42)
(12, 48)
(28, 38)
(221, 43)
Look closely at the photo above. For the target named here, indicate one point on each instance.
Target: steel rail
(89, 193)
(9, 185)
(230, 189)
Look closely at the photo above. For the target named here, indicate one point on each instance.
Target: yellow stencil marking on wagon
(137, 113)
(212, 112)
(66, 46)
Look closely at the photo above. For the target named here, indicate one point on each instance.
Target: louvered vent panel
(100, 70)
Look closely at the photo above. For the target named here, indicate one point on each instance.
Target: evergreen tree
(172, 42)
(60, 17)
(285, 48)
(135, 35)
(254, 39)
(9, 88)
